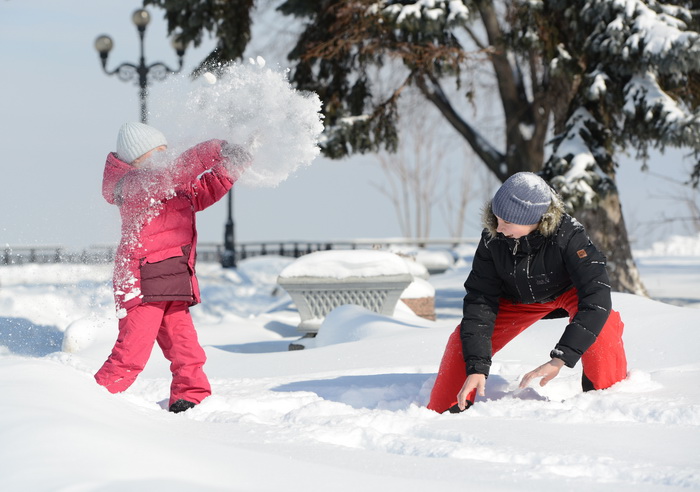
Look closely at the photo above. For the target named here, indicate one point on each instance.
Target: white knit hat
(135, 139)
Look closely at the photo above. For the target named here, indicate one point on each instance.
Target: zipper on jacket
(515, 248)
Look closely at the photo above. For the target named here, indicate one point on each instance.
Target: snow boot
(586, 384)
(181, 406)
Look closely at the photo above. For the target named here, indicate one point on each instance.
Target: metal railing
(19, 255)
(212, 252)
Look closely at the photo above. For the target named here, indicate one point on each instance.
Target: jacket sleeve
(484, 289)
(204, 170)
(586, 267)
(211, 186)
(142, 188)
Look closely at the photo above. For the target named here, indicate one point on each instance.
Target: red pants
(170, 324)
(604, 363)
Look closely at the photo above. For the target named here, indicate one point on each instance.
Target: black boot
(181, 406)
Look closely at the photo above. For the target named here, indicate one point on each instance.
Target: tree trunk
(606, 228)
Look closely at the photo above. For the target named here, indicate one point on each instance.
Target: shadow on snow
(395, 391)
(268, 346)
(22, 337)
(374, 392)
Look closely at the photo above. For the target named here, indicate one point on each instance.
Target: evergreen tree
(229, 22)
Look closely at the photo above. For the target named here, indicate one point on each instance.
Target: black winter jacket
(536, 268)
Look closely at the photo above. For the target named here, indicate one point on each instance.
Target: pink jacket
(155, 259)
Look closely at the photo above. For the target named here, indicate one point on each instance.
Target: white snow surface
(350, 413)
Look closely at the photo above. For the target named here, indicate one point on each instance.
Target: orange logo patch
(581, 253)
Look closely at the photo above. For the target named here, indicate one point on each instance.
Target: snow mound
(81, 333)
(353, 323)
(674, 246)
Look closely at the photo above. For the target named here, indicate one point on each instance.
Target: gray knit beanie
(135, 139)
(522, 199)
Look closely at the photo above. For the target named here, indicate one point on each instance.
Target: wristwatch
(557, 354)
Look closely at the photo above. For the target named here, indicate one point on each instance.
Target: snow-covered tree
(578, 82)
(635, 67)
(228, 22)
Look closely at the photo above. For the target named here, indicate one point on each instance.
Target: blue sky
(59, 114)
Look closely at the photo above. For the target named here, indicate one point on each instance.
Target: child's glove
(238, 156)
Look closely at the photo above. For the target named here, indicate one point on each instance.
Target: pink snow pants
(170, 324)
(604, 363)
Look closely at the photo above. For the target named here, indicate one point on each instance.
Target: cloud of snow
(248, 104)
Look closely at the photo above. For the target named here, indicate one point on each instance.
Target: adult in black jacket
(533, 261)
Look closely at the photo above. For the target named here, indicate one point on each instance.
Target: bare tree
(685, 197)
(460, 190)
(413, 175)
(422, 175)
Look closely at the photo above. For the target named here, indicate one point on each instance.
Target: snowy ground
(348, 415)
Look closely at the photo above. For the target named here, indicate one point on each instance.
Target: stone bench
(322, 281)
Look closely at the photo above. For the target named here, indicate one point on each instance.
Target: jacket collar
(115, 169)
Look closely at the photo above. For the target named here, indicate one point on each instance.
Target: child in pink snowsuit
(154, 273)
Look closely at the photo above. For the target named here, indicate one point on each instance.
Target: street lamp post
(228, 258)
(142, 73)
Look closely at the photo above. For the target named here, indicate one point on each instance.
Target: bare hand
(547, 372)
(474, 382)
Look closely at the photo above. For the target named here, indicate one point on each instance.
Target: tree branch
(493, 159)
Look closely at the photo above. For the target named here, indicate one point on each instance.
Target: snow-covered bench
(319, 282)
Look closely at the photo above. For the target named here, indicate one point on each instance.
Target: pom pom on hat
(522, 199)
(135, 139)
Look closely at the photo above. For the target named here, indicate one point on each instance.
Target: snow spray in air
(248, 104)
